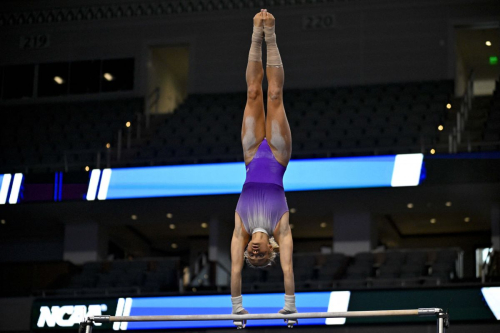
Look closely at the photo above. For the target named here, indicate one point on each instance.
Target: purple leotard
(262, 201)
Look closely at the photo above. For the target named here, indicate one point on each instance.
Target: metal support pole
(119, 149)
(450, 143)
(139, 124)
(98, 160)
(129, 136)
(108, 157)
(65, 158)
(86, 326)
(440, 325)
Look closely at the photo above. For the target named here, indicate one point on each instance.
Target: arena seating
(389, 269)
(324, 122)
(125, 276)
(340, 121)
(406, 268)
(36, 137)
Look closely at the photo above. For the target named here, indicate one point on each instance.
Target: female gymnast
(262, 210)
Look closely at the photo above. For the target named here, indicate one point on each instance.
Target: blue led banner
(465, 304)
(228, 178)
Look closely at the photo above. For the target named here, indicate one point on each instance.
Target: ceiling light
(467, 219)
(448, 106)
(488, 43)
(87, 168)
(169, 215)
(440, 127)
(108, 145)
(433, 151)
(448, 204)
(3, 221)
(291, 226)
(133, 217)
(410, 205)
(293, 210)
(127, 124)
(58, 79)
(323, 225)
(172, 226)
(174, 245)
(108, 77)
(433, 220)
(204, 225)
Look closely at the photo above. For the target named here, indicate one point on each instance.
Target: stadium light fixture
(448, 204)
(467, 219)
(172, 226)
(127, 124)
(108, 77)
(174, 245)
(293, 210)
(58, 79)
(433, 151)
(488, 43)
(409, 205)
(448, 106)
(323, 225)
(3, 221)
(440, 127)
(204, 225)
(87, 168)
(133, 217)
(433, 220)
(169, 215)
(108, 145)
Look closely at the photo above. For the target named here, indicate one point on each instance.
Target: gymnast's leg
(253, 129)
(277, 128)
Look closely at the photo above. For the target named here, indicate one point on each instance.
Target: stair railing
(462, 115)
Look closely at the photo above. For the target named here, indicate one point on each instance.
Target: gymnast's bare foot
(269, 20)
(258, 19)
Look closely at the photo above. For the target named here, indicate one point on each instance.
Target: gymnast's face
(259, 253)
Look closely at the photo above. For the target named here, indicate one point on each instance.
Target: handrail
(462, 115)
(152, 101)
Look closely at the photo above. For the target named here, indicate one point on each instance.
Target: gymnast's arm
(286, 254)
(238, 242)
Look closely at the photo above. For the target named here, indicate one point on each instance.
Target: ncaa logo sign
(68, 315)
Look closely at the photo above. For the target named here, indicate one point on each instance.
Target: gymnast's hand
(237, 303)
(289, 305)
(242, 312)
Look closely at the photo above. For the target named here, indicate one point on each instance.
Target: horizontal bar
(349, 314)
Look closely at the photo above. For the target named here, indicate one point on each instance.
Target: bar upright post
(440, 325)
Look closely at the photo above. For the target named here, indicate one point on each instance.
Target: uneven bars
(306, 315)
(291, 319)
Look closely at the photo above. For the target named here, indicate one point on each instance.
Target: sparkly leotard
(262, 201)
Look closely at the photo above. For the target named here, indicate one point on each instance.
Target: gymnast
(261, 217)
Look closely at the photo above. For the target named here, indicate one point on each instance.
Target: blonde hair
(272, 255)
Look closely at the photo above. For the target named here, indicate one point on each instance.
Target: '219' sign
(34, 42)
